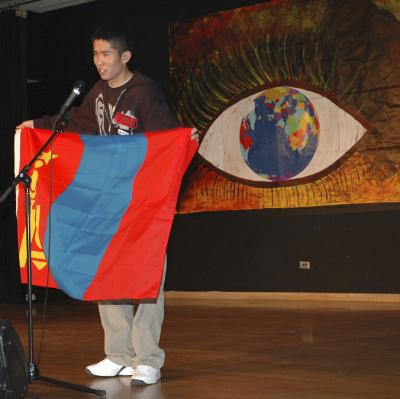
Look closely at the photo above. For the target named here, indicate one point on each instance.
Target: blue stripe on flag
(88, 213)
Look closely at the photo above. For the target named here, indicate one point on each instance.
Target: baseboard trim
(284, 296)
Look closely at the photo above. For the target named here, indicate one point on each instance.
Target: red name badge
(125, 120)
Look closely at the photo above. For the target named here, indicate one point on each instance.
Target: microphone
(76, 91)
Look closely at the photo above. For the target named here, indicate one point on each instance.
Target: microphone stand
(25, 180)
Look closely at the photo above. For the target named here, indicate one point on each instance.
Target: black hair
(116, 36)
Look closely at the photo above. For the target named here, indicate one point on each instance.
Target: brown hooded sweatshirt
(136, 106)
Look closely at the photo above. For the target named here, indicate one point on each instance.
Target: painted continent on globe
(279, 137)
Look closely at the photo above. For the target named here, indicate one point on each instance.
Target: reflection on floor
(220, 349)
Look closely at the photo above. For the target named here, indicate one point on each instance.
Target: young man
(122, 102)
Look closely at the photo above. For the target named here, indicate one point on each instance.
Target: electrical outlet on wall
(304, 264)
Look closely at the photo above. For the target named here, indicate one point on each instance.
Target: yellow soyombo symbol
(38, 256)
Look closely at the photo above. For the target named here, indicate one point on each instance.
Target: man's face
(110, 64)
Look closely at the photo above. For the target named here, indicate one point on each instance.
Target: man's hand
(25, 124)
(195, 135)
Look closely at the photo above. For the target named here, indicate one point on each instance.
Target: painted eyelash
(247, 68)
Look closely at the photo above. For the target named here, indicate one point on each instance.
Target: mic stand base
(64, 384)
(25, 180)
(34, 375)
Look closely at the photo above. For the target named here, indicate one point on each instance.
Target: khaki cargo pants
(132, 331)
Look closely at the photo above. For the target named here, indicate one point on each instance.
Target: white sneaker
(144, 375)
(107, 368)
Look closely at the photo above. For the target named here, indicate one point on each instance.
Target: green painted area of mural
(393, 6)
(243, 25)
(307, 17)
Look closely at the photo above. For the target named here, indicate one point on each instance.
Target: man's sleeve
(154, 111)
(45, 122)
(81, 119)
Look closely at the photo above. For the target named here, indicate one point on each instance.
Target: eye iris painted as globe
(279, 137)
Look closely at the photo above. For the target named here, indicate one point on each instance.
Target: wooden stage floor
(228, 349)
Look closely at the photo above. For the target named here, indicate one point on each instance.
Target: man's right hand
(25, 124)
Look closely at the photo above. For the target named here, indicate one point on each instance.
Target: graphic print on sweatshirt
(99, 111)
(124, 122)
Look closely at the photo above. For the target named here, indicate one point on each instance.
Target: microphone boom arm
(63, 116)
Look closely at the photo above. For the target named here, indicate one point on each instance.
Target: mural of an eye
(279, 134)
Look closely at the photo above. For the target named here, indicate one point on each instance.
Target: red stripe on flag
(67, 153)
(144, 229)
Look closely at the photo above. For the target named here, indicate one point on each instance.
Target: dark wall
(13, 107)
(351, 249)
(60, 51)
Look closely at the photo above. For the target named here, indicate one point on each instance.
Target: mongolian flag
(112, 199)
